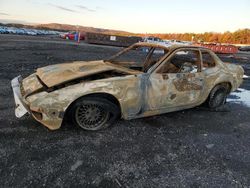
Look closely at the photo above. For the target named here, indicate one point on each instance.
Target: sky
(139, 16)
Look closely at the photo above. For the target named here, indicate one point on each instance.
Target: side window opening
(208, 60)
(183, 61)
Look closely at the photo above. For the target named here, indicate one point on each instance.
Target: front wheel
(92, 113)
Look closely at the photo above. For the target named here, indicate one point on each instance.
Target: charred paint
(185, 85)
(54, 88)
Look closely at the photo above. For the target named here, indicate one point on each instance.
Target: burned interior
(182, 61)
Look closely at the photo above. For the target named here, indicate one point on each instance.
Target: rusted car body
(138, 89)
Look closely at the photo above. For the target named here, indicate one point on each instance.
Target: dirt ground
(191, 148)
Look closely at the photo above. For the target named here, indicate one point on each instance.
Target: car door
(177, 82)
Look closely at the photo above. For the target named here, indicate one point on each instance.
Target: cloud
(6, 21)
(4, 14)
(62, 8)
(98, 7)
(85, 8)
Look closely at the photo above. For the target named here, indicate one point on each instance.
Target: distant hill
(67, 27)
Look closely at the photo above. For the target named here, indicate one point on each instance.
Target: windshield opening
(140, 58)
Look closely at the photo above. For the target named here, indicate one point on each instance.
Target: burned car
(142, 80)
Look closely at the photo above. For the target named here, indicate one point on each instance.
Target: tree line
(241, 36)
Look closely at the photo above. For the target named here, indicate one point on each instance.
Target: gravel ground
(191, 148)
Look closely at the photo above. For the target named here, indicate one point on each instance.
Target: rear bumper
(21, 108)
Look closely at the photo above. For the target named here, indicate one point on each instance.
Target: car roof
(169, 48)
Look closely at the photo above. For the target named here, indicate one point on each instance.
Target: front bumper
(47, 116)
(21, 108)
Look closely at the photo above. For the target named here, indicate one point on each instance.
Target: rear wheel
(93, 113)
(217, 97)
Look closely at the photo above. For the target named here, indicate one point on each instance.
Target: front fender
(53, 105)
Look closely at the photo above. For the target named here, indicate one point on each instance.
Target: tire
(217, 97)
(93, 113)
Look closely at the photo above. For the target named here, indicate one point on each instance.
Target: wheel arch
(225, 79)
(104, 95)
(227, 84)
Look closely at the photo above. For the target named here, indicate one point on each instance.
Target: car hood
(53, 75)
